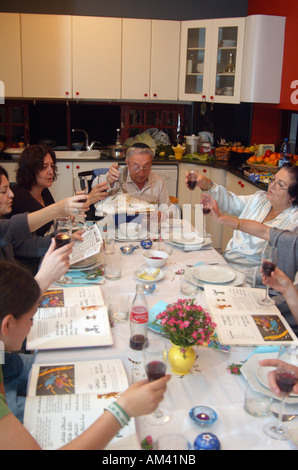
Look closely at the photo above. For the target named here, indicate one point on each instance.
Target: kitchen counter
(231, 166)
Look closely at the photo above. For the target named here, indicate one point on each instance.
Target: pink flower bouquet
(186, 324)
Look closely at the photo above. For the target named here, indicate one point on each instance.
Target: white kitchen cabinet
(10, 53)
(96, 57)
(136, 49)
(150, 59)
(46, 56)
(242, 188)
(165, 51)
(11, 168)
(263, 58)
(211, 60)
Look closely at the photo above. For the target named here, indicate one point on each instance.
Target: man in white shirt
(141, 183)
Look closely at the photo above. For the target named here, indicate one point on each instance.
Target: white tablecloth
(208, 384)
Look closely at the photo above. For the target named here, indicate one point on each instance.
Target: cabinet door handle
(145, 94)
(77, 93)
(67, 166)
(67, 93)
(77, 167)
(155, 95)
(204, 171)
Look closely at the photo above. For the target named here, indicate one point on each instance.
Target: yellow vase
(181, 361)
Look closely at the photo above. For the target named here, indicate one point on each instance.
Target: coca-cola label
(139, 317)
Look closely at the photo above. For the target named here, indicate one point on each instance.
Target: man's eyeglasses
(279, 184)
(138, 169)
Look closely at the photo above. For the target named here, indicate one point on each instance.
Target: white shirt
(243, 251)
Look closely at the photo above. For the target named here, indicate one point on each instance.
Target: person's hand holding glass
(80, 185)
(63, 231)
(269, 260)
(155, 364)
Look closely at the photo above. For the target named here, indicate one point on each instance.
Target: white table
(208, 384)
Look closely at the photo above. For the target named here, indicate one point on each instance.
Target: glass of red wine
(62, 231)
(155, 364)
(192, 176)
(80, 185)
(286, 378)
(206, 211)
(269, 260)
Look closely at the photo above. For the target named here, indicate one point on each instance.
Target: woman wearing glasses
(276, 208)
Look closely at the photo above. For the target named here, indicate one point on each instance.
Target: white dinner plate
(85, 263)
(149, 271)
(238, 281)
(214, 274)
(188, 239)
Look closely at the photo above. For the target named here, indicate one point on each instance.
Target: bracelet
(238, 224)
(211, 184)
(118, 413)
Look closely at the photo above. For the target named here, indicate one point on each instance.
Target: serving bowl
(156, 259)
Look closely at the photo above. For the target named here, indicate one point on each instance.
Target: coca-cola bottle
(138, 320)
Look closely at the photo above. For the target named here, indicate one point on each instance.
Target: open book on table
(241, 320)
(64, 399)
(73, 317)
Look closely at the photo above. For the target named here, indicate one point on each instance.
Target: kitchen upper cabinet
(96, 57)
(136, 48)
(211, 60)
(46, 56)
(165, 51)
(150, 59)
(10, 53)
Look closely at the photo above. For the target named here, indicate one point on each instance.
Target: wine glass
(269, 260)
(286, 378)
(192, 177)
(155, 364)
(80, 184)
(62, 231)
(206, 211)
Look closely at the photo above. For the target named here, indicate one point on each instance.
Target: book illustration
(271, 328)
(53, 298)
(56, 380)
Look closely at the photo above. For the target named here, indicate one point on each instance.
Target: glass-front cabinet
(211, 60)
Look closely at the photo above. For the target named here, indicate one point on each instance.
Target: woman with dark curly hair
(36, 173)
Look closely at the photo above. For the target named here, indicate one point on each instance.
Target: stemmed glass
(80, 185)
(286, 378)
(155, 363)
(269, 260)
(192, 177)
(62, 231)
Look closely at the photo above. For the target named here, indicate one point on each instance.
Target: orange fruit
(234, 148)
(295, 157)
(240, 150)
(267, 160)
(273, 156)
(252, 159)
(260, 159)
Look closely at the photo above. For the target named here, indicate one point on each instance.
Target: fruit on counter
(198, 156)
(163, 150)
(270, 159)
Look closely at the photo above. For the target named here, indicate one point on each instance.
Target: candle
(203, 417)
(126, 250)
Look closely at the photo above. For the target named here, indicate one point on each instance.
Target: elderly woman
(36, 173)
(276, 208)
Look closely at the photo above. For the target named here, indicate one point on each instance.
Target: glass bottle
(138, 319)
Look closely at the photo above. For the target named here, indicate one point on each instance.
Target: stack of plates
(87, 264)
(189, 240)
(122, 237)
(208, 274)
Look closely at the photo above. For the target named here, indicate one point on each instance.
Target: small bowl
(149, 288)
(203, 416)
(146, 244)
(127, 250)
(156, 259)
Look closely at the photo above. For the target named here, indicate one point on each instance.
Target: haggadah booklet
(74, 317)
(64, 399)
(241, 320)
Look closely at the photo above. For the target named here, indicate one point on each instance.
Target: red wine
(206, 211)
(62, 239)
(137, 342)
(285, 381)
(268, 267)
(155, 370)
(191, 185)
